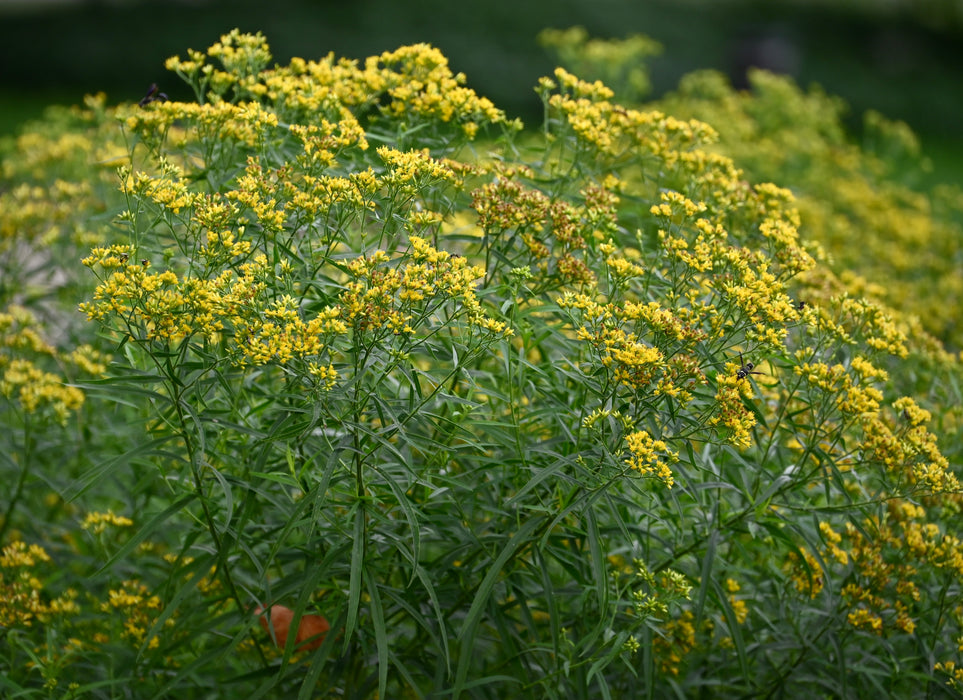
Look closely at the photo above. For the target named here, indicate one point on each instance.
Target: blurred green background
(903, 58)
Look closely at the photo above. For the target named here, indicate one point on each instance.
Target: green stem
(177, 390)
(787, 670)
(21, 481)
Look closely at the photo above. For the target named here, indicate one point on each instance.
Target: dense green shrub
(575, 413)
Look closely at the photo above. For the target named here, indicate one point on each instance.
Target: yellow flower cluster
(554, 232)
(23, 353)
(677, 638)
(159, 306)
(851, 396)
(614, 335)
(257, 193)
(323, 142)
(806, 572)
(39, 153)
(23, 599)
(651, 598)
(635, 364)
(608, 130)
(169, 192)
(138, 295)
(832, 540)
(622, 267)
(21, 554)
(57, 176)
(910, 238)
(97, 522)
(139, 607)
(410, 172)
(280, 333)
(910, 451)
(664, 324)
(955, 674)
(325, 202)
(632, 362)
(413, 84)
(382, 298)
(739, 607)
(862, 618)
(419, 83)
(45, 215)
(243, 55)
(880, 330)
(730, 411)
(649, 457)
(889, 567)
(505, 204)
(601, 413)
(700, 257)
(18, 331)
(247, 123)
(761, 298)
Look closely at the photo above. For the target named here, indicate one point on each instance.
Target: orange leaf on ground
(311, 627)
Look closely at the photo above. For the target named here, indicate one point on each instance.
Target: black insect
(746, 369)
(153, 95)
(799, 305)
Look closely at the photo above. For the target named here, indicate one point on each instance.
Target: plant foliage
(572, 413)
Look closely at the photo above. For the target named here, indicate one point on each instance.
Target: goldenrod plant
(574, 412)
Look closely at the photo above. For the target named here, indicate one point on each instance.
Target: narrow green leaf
(228, 496)
(708, 561)
(469, 631)
(735, 627)
(380, 631)
(278, 478)
(357, 572)
(95, 475)
(145, 532)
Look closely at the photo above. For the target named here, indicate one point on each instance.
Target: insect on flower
(153, 95)
(746, 369)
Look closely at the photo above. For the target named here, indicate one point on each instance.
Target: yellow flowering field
(338, 381)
